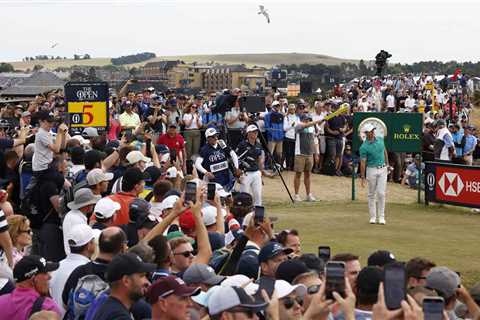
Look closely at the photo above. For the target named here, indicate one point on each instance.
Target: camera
(224, 102)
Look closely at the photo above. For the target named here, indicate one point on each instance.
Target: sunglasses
(186, 254)
(29, 231)
(313, 289)
(288, 302)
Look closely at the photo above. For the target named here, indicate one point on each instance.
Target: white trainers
(297, 198)
(373, 221)
(310, 197)
(382, 221)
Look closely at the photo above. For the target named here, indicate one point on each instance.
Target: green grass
(446, 235)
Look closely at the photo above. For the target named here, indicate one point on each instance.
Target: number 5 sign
(87, 104)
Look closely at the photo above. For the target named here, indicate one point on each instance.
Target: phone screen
(395, 285)
(267, 284)
(211, 189)
(259, 214)
(433, 308)
(189, 166)
(335, 275)
(324, 253)
(190, 192)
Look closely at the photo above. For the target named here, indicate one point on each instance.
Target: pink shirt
(18, 304)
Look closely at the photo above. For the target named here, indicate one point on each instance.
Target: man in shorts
(304, 148)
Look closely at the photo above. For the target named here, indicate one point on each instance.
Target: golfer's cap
(202, 273)
(210, 132)
(252, 128)
(90, 132)
(380, 258)
(368, 127)
(169, 202)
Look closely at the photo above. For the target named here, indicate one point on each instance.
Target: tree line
(133, 58)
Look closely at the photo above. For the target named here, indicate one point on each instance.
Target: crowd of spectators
(101, 225)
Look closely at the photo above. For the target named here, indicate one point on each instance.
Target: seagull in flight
(264, 12)
(56, 44)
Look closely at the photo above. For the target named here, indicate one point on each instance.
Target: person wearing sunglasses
(312, 282)
(290, 299)
(21, 235)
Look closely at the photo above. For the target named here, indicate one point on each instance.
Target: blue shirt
(457, 139)
(470, 143)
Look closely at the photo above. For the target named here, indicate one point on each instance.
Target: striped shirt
(3, 222)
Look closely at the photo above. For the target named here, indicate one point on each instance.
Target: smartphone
(324, 253)
(433, 308)
(395, 285)
(190, 192)
(211, 189)
(259, 214)
(189, 166)
(267, 284)
(335, 278)
(173, 155)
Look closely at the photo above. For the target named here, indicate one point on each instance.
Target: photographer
(236, 121)
(275, 134)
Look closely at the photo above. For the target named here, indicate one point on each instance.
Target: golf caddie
(374, 169)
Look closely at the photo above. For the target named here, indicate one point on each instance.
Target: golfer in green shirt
(374, 168)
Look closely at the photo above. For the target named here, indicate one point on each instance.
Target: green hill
(251, 59)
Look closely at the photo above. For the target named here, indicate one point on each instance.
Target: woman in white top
(193, 123)
(289, 122)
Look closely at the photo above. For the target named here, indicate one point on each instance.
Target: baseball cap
(283, 289)
(90, 132)
(243, 199)
(146, 220)
(80, 235)
(26, 113)
(202, 273)
(313, 262)
(242, 281)
(380, 258)
(271, 250)
(82, 198)
(136, 156)
(202, 297)
(226, 298)
(252, 128)
(127, 264)
(444, 281)
(275, 103)
(369, 279)
(187, 221)
(166, 286)
(368, 127)
(288, 270)
(132, 176)
(169, 202)
(210, 132)
(97, 175)
(154, 174)
(138, 207)
(106, 208)
(81, 139)
(32, 265)
(209, 215)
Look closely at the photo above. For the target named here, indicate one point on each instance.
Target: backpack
(89, 289)
(67, 194)
(219, 259)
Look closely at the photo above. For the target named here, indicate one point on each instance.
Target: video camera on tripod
(381, 61)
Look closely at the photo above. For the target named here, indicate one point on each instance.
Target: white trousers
(377, 186)
(251, 182)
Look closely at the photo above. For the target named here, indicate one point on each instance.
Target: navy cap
(380, 258)
(288, 270)
(271, 250)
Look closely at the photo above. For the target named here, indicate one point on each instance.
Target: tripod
(271, 158)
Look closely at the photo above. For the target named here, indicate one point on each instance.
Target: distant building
(38, 83)
(159, 69)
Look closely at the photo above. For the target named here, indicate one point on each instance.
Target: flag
(456, 73)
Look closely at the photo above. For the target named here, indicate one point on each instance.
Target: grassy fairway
(448, 236)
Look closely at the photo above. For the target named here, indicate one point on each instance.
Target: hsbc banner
(453, 184)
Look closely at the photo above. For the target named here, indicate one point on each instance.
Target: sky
(410, 30)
